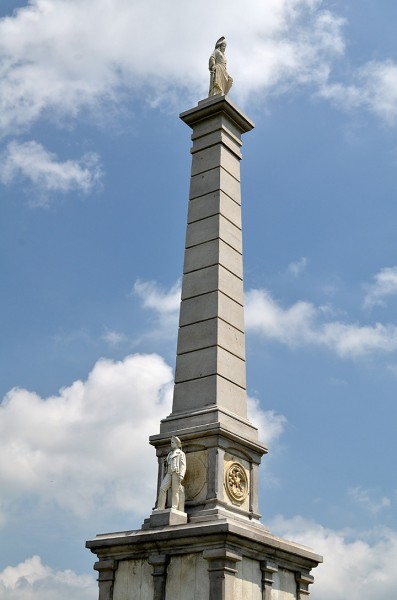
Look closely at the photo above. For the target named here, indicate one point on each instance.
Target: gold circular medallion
(236, 482)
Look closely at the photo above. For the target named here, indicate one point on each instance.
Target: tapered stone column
(209, 410)
(210, 364)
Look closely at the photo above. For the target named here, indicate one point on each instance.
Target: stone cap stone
(213, 105)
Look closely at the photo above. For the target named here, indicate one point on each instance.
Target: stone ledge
(255, 540)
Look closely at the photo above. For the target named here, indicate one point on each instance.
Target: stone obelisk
(209, 412)
(212, 546)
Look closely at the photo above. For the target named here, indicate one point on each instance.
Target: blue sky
(94, 177)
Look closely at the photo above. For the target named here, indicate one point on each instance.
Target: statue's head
(176, 442)
(221, 43)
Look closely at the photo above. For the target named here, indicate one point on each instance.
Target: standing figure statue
(220, 81)
(176, 469)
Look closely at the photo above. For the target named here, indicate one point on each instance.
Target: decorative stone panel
(196, 476)
(134, 581)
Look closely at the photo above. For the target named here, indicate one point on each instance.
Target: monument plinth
(204, 541)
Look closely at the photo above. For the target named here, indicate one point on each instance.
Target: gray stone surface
(133, 580)
(219, 119)
(187, 578)
(208, 426)
(213, 180)
(210, 361)
(211, 305)
(248, 580)
(211, 279)
(211, 228)
(212, 391)
(211, 333)
(213, 157)
(212, 253)
(212, 204)
(224, 558)
(196, 481)
(208, 134)
(168, 516)
(284, 586)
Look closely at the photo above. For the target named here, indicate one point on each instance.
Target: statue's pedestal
(218, 560)
(163, 518)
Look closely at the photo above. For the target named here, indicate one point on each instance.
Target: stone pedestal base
(221, 560)
(163, 518)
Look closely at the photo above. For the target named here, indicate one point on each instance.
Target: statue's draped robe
(220, 82)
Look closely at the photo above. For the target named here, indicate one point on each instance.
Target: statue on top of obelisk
(220, 80)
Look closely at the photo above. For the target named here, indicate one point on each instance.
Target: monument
(204, 540)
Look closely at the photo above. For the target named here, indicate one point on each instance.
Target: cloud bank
(373, 87)
(369, 500)
(270, 424)
(31, 580)
(163, 303)
(76, 450)
(304, 324)
(384, 286)
(60, 59)
(30, 162)
(301, 324)
(91, 59)
(158, 299)
(357, 566)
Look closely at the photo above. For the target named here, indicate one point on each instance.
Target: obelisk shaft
(209, 411)
(210, 364)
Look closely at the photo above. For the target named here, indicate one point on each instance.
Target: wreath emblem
(237, 482)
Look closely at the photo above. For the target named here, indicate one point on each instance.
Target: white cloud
(303, 324)
(78, 450)
(114, 338)
(62, 58)
(31, 580)
(357, 566)
(385, 285)
(165, 306)
(350, 340)
(290, 326)
(270, 424)
(367, 500)
(156, 298)
(297, 267)
(374, 88)
(31, 162)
